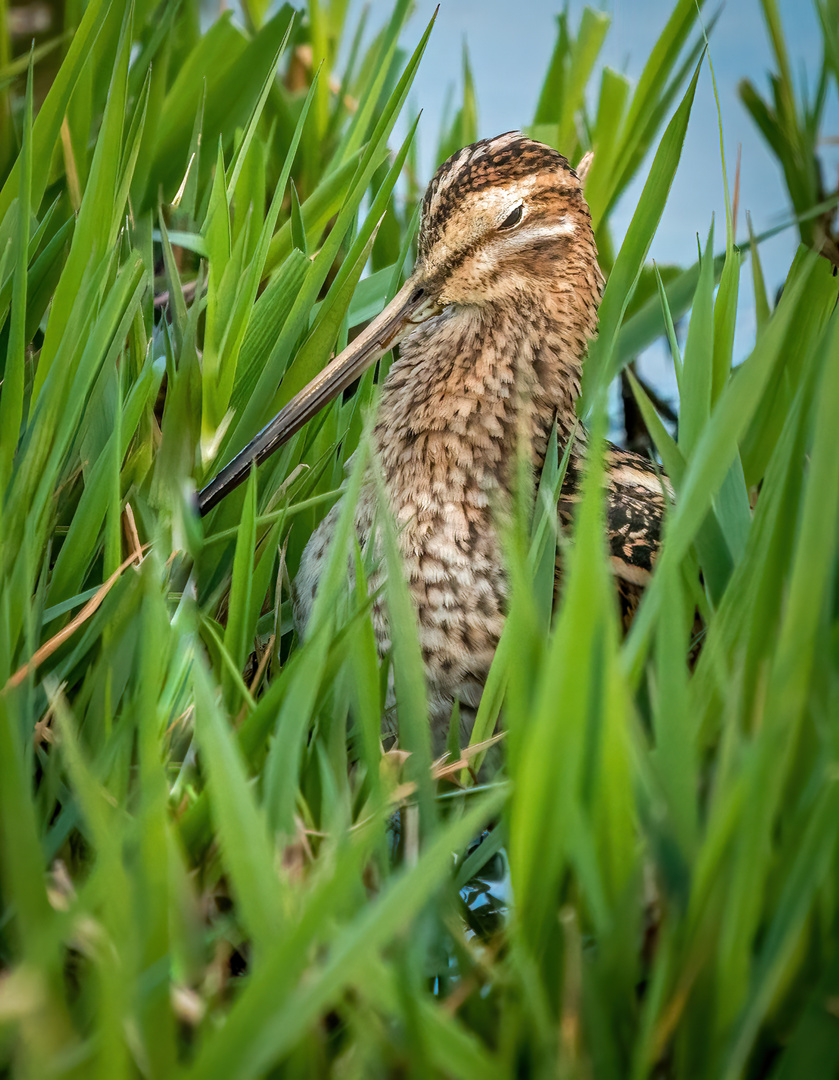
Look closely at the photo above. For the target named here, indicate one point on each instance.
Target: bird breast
(454, 405)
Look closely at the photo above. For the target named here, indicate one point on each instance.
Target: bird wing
(636, 499)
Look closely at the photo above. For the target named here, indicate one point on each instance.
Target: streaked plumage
(493, 326)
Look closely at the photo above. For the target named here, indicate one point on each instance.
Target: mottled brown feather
(501, 362)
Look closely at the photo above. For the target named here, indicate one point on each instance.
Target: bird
(493, 326)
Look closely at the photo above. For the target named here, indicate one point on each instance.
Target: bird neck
(469, 387)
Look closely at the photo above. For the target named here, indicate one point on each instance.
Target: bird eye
(513, 218)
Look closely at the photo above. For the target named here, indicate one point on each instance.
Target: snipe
(492, 326)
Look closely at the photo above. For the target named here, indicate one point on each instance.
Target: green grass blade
(11, 401)
(601, 365)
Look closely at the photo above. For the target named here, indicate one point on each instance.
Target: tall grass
(200, 871)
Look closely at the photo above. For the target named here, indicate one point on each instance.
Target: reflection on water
(487, 896)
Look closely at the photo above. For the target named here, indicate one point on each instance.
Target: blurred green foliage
(198, 868)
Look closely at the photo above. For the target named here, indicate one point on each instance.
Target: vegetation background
(200, 870)
(742, 49)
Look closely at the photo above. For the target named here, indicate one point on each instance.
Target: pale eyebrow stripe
(524, 236)
(564, 227)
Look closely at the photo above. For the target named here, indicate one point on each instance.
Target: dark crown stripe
(483, 164)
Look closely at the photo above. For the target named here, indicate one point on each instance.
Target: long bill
(409, 307)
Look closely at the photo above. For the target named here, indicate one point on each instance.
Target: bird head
(500, 219)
